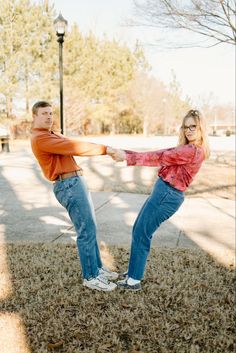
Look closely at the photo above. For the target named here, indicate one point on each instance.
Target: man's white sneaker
(105, 272)
(99, 283)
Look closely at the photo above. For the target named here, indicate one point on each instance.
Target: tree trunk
(113, 127)
(9, 104)
(26, 89)
(145, 126)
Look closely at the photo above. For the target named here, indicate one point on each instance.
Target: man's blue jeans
(163, 202)
(72, 193)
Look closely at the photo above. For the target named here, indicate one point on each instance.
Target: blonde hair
(198, 118)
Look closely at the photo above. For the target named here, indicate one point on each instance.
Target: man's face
(43, 119)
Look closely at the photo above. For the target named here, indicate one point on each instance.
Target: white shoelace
(102, 279)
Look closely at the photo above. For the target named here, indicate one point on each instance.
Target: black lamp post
(60, 25)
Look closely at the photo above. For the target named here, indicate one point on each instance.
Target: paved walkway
(29, 212)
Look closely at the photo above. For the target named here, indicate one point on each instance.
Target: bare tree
(213, 20)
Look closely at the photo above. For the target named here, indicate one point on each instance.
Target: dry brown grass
(186, 305)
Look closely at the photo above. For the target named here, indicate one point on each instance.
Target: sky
(201, 72)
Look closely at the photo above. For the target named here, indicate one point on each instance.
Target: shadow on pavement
(29, 212)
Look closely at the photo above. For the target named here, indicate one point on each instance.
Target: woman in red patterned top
(178, 166)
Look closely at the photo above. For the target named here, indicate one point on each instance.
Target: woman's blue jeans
(72, 193)
(163, 202)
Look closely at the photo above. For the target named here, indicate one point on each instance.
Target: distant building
(222, 129)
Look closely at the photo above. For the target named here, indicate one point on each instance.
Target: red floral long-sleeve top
(178, 165)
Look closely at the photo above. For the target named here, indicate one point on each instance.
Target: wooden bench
(5, 143)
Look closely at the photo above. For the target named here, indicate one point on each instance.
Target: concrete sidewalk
(29, 212)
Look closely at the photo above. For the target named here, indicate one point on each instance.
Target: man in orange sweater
(54, 153)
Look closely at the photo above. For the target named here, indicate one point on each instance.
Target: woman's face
(191, 130)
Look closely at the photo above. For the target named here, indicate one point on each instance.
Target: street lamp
(60, 25)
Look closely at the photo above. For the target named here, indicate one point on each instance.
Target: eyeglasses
(190, 127)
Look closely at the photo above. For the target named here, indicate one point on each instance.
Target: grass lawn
(186, 305)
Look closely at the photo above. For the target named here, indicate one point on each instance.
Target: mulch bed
(186, 305)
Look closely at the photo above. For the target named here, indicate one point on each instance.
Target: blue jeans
(163, 202)
(72, 193)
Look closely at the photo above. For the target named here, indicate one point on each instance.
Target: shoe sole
(129, 288)
(100, 289)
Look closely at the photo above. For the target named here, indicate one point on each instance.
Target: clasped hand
(117, 154)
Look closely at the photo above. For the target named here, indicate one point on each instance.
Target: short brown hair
(40, 104)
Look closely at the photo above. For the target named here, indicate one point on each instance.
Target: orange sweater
(55, 152)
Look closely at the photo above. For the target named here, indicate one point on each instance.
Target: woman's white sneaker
(99, 283)
(124, 284)
(105, 272)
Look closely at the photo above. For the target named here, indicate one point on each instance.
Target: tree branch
(208, 18)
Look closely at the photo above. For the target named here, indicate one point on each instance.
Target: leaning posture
(178, 166)
(54, 153)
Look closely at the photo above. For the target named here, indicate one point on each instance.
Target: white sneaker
(99, 283)
(105, 272)
(124, 284)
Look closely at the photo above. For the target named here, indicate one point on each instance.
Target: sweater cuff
(104, 149)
